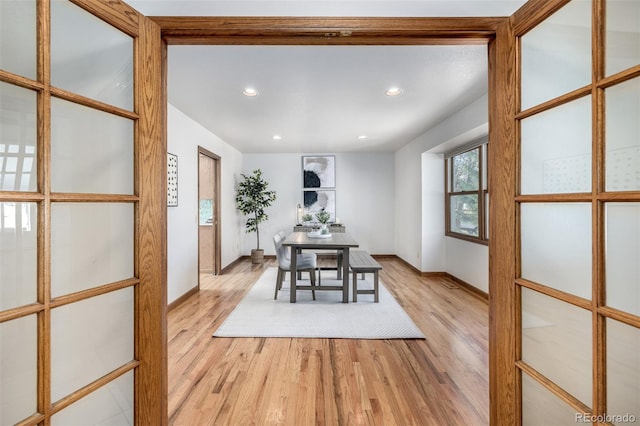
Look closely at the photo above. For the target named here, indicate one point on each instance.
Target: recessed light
(393, 91)
(276, 137)
(362, 137)
(250, 92)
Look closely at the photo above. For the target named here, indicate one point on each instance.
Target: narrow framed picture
(319, 171)
(172, 180)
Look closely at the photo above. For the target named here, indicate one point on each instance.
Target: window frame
(482, 145)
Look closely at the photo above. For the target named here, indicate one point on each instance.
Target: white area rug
(258, 315)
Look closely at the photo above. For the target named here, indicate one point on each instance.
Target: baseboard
(434, 274)
(407, 264)
(468, 287)
(230, 266)
(182, 298)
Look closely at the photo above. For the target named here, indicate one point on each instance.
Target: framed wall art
(319, 171)
(316, 200)
(172, 180)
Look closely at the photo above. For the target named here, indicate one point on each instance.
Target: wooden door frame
(497, 34)
(216, 224)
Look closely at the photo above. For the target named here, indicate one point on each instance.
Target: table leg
(294, 276)
(345, 275)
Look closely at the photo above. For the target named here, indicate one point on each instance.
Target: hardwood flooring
(441, 380)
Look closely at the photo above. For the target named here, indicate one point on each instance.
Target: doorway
(208, 213)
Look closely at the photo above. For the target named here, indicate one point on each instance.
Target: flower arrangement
(323, 216)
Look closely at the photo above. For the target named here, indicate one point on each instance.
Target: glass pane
(464, 214)
(83, 160)
(92, 244)
(623, 35)
(623, 136)
(556, 55)
(556, 341)
(18, 369)
(555, 411)
(18, 254)
(621, 257)
(18, 138)
(623, 371)
(556, 150)
(110, 405)
(18, 37)
(486, 215)
(485, 161)
(89, 339)
(556, 246)
(90, 57)
(466, 171)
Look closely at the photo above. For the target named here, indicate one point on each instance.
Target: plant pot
(257, 256)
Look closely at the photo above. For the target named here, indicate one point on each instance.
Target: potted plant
(323, 217)
(252, 198)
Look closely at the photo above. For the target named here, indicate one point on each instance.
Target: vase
(324, 229)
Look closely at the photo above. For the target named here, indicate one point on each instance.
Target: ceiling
(323, 98)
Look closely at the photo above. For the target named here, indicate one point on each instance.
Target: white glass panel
(623, 35)
(621, 257)
(86, 160)
(556, 55)
(18, 369)
(111, 405)
(18, 254)
(623, 136)
(556, 246)
(542, 408)
(623, 371)
(556, 150)
(90, 57)
(18, 37)
(556, 341)
(17, 138)
(90, 339)
(92, 244)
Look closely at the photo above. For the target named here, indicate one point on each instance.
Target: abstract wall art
(319, 171)
(314, 201)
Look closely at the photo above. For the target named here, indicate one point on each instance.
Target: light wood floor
(441, 380)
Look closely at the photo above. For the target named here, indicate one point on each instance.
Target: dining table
(340, 242)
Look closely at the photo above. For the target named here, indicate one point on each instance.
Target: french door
(565, 266)
(82, 195)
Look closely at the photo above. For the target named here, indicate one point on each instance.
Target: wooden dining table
(341, 242)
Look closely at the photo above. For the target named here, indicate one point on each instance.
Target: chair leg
(312, 278)
(278, 283)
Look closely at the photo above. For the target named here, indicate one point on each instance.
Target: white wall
(433, 255)
(364, 197)
(419, 208)
(184, 137)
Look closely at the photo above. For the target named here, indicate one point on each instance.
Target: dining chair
(305, 262)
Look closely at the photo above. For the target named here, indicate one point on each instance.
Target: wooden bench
(361, 262)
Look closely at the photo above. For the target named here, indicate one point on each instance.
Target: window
(467, 197)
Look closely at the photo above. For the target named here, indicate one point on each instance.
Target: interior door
(208, 212)
(81, 210)
(568, 292)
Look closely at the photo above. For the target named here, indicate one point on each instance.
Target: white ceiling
(321, 98)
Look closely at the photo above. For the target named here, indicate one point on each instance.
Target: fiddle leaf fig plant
(252, 198)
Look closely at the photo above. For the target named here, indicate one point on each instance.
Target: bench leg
(355, 286)
(375, 286)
